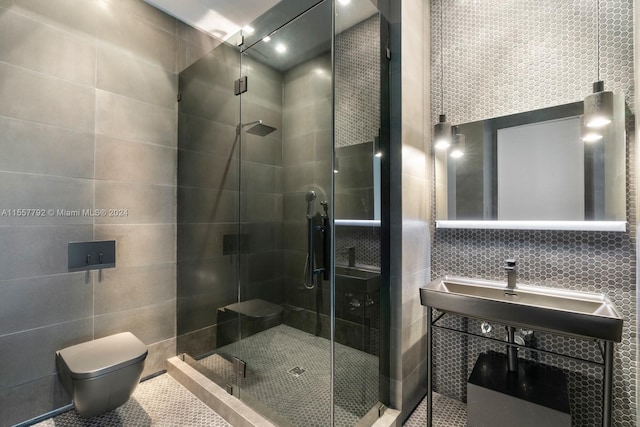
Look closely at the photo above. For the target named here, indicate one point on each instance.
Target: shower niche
(246, 166)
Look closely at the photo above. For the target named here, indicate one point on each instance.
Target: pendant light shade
(598, 107)
(589, 135)
(442, 133)
(442, 130)
(459, 142)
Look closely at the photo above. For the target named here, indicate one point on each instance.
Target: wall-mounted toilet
(101, 375)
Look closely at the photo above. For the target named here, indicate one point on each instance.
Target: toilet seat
(102, 356)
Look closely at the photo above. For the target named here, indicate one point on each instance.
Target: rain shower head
(258, 128)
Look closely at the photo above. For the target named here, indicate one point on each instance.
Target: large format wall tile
(196, 205)
(38, 250)
(131, 34)
(41, 47)
(198, 169)
(124, 288)
(26, 401)
(29, 95)
(138, 245)
(35, 148)
(206, 136)
(125, 118)
(151, 324)
(69, 15)
(128, 161)
(69, 297)
(121, 74)
(36, 349)
(144, 204)
(62, 199)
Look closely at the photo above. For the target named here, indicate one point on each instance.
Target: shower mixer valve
(312, 229)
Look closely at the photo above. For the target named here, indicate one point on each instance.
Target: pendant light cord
(442, 56)
(598, 37)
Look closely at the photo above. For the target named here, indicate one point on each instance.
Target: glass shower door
(285, 207)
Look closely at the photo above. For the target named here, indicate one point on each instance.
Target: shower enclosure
(280, 297)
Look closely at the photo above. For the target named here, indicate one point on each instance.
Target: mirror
(534, 166)
(357, 112)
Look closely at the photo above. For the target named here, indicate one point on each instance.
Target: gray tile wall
(306, 148)
(357, 76)
(488, 72)
(88, 119)
(409, 200)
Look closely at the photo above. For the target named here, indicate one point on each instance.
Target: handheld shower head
(310, 197)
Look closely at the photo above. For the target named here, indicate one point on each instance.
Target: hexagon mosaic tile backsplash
(501, 58)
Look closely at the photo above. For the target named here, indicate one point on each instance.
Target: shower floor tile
(288, 371)
(160, 401)
(447, 412)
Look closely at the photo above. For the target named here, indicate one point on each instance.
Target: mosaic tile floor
(160, 401)
(447, 412)
(163, 402)
(271, 355)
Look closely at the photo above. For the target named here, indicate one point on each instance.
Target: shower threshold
(285, 395)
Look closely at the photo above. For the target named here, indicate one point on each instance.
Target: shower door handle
(310, 249)
(326, 247)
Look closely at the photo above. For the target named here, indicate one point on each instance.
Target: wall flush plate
(92, 255)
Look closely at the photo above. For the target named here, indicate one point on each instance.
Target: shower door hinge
(229, 388)
(240, 367)
(381, 410)
(240, 85)
(179, 97)
(240, 41)
(388, 54)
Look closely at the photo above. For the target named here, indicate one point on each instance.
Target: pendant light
(442, 130)
(459, 142)
(598, 106)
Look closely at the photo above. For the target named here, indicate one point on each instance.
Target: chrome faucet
(511, 270)
(351, 254)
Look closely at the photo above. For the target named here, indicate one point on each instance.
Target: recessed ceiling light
(280, 48)
(266, 39)
(248, 29)
(344, 2)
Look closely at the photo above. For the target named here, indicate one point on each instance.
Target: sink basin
(357, 281)
(577, 314)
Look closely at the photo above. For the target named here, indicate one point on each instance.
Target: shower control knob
(486, 328)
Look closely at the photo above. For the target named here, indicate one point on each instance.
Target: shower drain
(297, 371)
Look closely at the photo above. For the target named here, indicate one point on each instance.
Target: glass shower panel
(208, 239)
(286, 191)
(361, 70)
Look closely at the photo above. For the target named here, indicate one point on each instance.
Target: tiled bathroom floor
(160, 401)
(447, 412)
(163, 402)
(271, 378)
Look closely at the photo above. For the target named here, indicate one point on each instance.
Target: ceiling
(220, 18)
(304, 35)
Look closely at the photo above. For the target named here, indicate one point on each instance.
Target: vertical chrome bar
(608, 384)
(512, 351)
(429, 367)
(310, 250)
